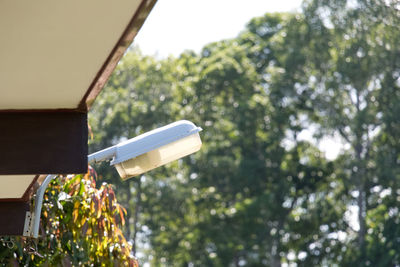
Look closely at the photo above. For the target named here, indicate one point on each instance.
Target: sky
(174, 26)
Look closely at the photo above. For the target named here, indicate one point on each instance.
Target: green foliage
(257, 193)
(243, 189)
(80, 226)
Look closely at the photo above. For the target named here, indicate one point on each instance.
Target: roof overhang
(58, 54)
(55, 58)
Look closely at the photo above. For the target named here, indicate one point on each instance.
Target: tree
(279, 48)
(257, 193)
(200, 212)
(359, 67)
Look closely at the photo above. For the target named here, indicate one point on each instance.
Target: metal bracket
(28, 224)
(38, 205)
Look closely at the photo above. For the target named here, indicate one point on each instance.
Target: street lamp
(135, 156)
(152, 149)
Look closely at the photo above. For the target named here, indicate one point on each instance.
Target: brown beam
(44, 142)
(12, 217)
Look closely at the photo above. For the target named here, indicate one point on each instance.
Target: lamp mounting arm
(102, 155)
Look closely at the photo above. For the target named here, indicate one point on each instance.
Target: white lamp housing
(152, 149)
(156, 148)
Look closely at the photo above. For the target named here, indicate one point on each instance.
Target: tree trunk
(275, 258)
(136, 214)
(360, 179)
(128, 215)
(361, 203)
(361, 217)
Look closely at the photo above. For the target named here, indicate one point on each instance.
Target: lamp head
(156, 148)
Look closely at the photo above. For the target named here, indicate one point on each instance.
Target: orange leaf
(121, 215)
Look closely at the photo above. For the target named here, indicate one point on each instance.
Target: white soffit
(14, 186)
(51, 51)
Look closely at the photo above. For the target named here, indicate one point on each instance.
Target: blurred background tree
(259, 193)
